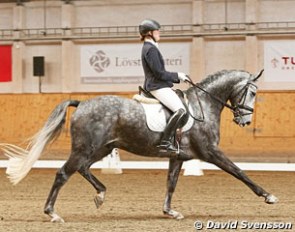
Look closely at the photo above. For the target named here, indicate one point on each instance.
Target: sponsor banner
(279, 61)
(5, 63)
(121, 63)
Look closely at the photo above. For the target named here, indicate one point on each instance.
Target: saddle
(149, 98)
(156, 113)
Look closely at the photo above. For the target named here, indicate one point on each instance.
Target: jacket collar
(152, 42)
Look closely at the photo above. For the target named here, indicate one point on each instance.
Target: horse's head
(243, 101)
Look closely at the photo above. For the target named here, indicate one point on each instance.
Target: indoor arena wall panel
(217, 11)
(274, 115)
(275, 11)
(6, 21)
(271, 129)
(43, 14)
(25, 114)
(223, 54)
(106, 14)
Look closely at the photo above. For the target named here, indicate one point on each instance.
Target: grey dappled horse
(100, 124)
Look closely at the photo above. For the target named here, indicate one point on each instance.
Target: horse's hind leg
(220, 160)
(61, 178)
(100, 188)
(173, 174)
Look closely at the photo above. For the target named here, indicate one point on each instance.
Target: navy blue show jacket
(156, 77)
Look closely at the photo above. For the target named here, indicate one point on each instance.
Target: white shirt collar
(152, 42)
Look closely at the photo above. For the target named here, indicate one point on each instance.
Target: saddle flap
(155, 111)
(157, 120)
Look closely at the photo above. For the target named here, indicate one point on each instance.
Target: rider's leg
(169, 132)
(171, 100)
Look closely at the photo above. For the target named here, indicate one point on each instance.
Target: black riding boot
(175, 122)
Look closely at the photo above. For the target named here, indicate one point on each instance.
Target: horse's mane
(217, 75)
(212, 77)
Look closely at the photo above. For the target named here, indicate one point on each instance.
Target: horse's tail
(22, 160)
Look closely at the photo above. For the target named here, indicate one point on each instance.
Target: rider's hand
(183, 77)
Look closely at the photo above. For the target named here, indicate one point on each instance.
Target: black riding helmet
(148, 25)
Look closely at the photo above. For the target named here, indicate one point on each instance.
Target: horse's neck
(222, 87)
(217, 89)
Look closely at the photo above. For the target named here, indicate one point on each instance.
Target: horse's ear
(258, 75)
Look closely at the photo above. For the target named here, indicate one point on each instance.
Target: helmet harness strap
(152, 36)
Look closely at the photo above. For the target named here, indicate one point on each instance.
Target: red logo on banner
(289, 62)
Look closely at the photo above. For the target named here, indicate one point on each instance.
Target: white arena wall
(208, 53)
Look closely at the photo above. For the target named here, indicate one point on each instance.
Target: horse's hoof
(98, 200)
(56, 219)
(179, 216)
(174, 214)
(271, 199)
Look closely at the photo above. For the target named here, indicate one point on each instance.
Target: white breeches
(169, 98)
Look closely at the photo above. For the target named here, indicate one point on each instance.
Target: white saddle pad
(156, 119)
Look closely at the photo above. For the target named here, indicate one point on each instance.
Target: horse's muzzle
(242, 121)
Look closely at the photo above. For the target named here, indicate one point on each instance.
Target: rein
(212, 96)
(234, 109)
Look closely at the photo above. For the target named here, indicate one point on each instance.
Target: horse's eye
(253, 94)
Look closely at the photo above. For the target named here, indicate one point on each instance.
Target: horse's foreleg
(100, 188)
(173, 174)
(219, 159)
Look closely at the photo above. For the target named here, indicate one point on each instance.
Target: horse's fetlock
(48, 210)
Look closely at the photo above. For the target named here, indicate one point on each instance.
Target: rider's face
(156, 35)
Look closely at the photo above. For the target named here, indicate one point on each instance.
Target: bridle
(241, 103)
(236, 109)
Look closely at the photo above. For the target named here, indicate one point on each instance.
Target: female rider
(159, 82)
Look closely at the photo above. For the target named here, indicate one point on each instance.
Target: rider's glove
(183, 77)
